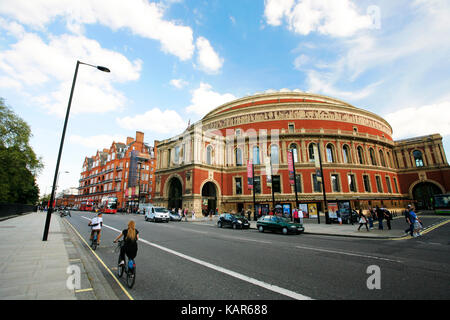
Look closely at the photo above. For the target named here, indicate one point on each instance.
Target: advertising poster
(304, 208)
(312, 210)
(290, 167)
(332, 210)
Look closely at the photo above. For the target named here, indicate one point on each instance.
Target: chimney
(139, 136)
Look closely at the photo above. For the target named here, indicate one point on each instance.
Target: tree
(18, 162)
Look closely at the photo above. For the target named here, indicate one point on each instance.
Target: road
(188, 261)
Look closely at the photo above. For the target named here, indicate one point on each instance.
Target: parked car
(174, 216)
(278, 224)
(157, 214)
(232, 220)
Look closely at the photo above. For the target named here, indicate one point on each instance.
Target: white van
(157, 214)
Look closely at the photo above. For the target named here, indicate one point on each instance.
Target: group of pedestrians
(415, 225)
(378, 214)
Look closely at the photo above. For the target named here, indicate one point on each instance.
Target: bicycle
(129, 267)
(94, 242)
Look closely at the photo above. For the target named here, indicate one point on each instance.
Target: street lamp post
(50, 209)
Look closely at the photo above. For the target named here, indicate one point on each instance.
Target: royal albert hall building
(206, 167)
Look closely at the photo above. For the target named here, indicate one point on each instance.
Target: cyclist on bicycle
(96, 226)
(130, 236)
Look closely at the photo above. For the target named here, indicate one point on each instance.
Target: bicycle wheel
(120, 268)
(94, 243)
(131, 277)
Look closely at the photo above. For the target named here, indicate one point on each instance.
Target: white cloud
(301, 61)
(204, 99)
(37, 65)
(208, 60)
(328, 17)
(141, 17)
(155, 120)
(178, 83)
(422, 120)
(98, 142)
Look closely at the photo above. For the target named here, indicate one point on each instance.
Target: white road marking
(347, 253)
(231, 273)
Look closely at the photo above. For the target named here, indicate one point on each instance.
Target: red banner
(250, 174)
(290, 167)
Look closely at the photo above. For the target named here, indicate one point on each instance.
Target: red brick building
(125, 171)
(205, 167)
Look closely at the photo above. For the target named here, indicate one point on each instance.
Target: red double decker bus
(87, 205)
(108, 205)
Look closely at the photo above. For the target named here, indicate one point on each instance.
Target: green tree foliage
(18, 162)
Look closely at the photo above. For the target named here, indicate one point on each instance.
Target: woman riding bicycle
(130, 236)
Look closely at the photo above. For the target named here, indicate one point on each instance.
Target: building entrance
(175, 194)
(423, 194)
(209, 198)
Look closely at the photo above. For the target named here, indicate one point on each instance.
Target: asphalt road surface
(188, 261)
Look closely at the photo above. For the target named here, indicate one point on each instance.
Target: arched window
(311, 151)
(238, 157)
(372, 157)
(418, 159)
(346, 154)
(330, 153)
(209, 151)
(293, 147)
(360, 155)
(274, 156)
(383, 162)
(256, 159)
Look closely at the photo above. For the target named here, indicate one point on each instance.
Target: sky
(173, 61)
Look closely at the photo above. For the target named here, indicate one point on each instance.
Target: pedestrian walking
(370, 218)
(362, 221)
(249, 214)
(388, 217)
(410, 228)
(380, 216)
(295, 215)
(193, 214)
(300, 215)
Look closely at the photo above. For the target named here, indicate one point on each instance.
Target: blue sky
(173, 61)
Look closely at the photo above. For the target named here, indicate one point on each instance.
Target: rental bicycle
(94, 242)
(129, 267)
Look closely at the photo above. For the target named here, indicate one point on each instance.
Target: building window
(346, 154)
(274, 157)
(335, 183)
(276, 183)
(418, 159)
(293, 148)
(395, 185)
(351, 183)
(388, 183)
(388, 157)
(256, 159)
(238, 181)
(383, 162)
(238, 157)
(291, 127)
(311, 152)
(257, 184)
(379, 186)
(317, 186)
(298, 182)
(177, 155)
(372, 157)
(209, 150)
(366, 180)
(330, 153)
(360, 155)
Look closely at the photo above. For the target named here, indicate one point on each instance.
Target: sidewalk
(32, 269)
(347, 230)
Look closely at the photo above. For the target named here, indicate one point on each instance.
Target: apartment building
(124, 171)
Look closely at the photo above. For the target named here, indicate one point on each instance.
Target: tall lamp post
(50, 209)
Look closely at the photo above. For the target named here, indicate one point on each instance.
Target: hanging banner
(317, 163)
(290, 168)
(250, 174)
(268, 172)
